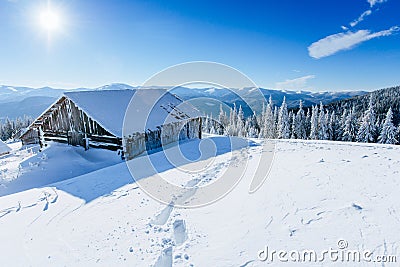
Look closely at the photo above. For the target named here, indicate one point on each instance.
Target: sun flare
(50, 20)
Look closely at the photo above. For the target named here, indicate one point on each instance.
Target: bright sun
(50, 20)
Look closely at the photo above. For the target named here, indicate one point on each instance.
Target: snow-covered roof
(4, 148)
(108, 108)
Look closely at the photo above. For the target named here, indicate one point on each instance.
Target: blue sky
(308, 45)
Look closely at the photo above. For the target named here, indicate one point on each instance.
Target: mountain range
(20, 101)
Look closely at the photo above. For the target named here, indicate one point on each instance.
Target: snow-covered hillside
(26, 167)
(317, 193)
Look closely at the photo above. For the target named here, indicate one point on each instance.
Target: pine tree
(269, 121)
(322, 124)
(300, 123)
(342, 123)
(314, 123)
(251, 127)
(212, 130)
(379, 125)
(8, 128)
(262, 121)
(240, 123)
(223, 121)
(283, 121)
(231, 129)
(388, 133)
(350, 127)
(367, 132)
(206, 125)
(254, 127)
(328, 126)
(307, 123)
(293, 125)
(334, 127)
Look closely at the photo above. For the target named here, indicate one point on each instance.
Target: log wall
(137, 143)
(65, 122)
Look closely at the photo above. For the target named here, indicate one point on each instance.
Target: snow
(12, 89)
(26, 167)
(108, 108)
(317, 192)
(4, 148)
(210, 91)
(150, 108)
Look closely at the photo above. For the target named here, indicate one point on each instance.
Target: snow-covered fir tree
(308, 123)
(269, 121)
(11, 126)
(350, 127)
(328, 125)
(367, 132)
(314, 123)
(276, 115)
(341, 126)
(206, 124)
(212, 130)
(293, 125)
(231, 129)
(283, 121)
(389, 132)
(223, 120)
(251, 127)
(379, 124)
(300, 123)
(322, 124)
(261, 119)
(240, 123)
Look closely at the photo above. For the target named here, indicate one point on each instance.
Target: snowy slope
(317, 193)
(26, 167)
(4, 148)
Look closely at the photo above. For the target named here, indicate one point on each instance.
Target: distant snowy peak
(210, 91)
(14, 93)
(116, 86)
(11, 89)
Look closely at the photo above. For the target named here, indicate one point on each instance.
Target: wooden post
(86, 142)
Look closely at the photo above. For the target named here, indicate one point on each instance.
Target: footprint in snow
(180, 233)
(165, 259)
(163, 216)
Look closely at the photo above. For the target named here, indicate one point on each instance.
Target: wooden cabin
(95, 119)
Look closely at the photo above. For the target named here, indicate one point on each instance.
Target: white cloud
(298, 83)
(344, 41)
(360, 18)
(344, 28)
(374, 2)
